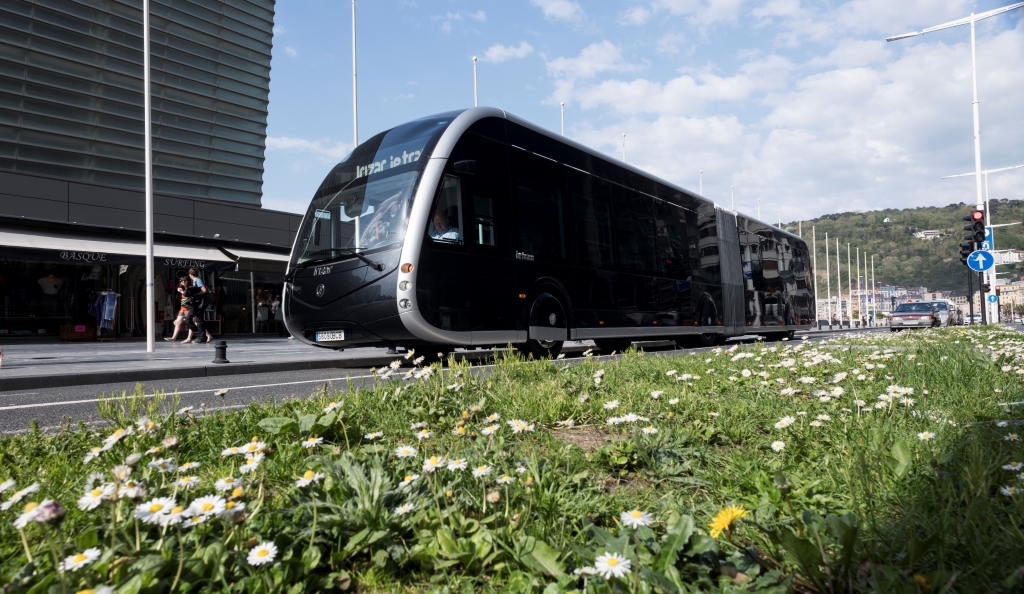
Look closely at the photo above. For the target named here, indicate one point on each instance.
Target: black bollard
(220, 349)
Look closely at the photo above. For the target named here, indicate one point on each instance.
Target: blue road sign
(980, 261)
(988, 244)
(992, 299)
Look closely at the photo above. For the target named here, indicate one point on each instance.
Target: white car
(921, 314)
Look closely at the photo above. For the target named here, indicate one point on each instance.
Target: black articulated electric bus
(476, 228)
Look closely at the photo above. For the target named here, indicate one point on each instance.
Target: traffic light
(985, 288)
(965, 250)
(976, 228)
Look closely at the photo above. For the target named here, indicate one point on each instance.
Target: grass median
(878, 463)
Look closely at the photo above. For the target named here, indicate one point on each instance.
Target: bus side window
(483, 223)
(591, 219)
(540, 205)
(445, 224)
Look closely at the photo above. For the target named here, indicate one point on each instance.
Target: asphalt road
(52, 406)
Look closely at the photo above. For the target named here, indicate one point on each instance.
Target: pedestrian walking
(195, 302)
(179, 321)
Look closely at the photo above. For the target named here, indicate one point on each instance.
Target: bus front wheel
(547, 328)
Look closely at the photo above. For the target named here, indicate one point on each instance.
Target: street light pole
(355, 92)
(860, 293)
(732, 198)
(476, 98)
(623, 147)
(839, 283)
(562, 104)
(814, 277)
(828, 284)
(759, 209)
(148, 123)
(700, 177)
(874, 295)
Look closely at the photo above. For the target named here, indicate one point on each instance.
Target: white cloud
(593, 59)
(560, 10)
(850, 53)
(291, 51)
(687, 94)
(637, 15)
(324, 150)
(669, 43)
(858, 129)
(498, 53)
(459, 15)
(701, 12)
(279, 30)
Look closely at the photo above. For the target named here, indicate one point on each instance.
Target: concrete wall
(54, 200)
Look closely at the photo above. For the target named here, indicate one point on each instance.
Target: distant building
(928, 234)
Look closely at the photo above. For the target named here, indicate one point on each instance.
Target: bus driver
(443, 230)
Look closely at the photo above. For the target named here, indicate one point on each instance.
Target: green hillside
(901, 258)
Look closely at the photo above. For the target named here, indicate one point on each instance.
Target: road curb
(210, 370)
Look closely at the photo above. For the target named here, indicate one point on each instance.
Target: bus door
(483, 167)
(444, 263)
(542, 242)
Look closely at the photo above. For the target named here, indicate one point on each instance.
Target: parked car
(921, 314)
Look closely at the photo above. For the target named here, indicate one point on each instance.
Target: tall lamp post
(148, 123)
(969, 20)
(476, 98)
(355, 94)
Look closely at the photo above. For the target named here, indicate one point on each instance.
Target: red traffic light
(978, 215)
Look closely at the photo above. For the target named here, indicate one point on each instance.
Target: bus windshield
(364, 202)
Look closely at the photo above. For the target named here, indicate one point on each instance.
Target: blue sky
(799, 103)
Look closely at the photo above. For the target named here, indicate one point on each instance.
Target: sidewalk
(58, 365)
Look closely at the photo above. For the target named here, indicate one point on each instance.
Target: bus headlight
(405, 304)
(404, 285)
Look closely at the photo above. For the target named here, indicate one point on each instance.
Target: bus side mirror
(465, 167)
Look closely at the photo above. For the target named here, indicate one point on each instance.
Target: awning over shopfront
(58, 246)
(254, 255)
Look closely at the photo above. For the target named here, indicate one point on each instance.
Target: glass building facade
(71, 101)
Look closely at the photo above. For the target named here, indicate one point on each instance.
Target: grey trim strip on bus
(731, 270)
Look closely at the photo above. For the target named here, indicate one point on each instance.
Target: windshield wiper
(375, 265)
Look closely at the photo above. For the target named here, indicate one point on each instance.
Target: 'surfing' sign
(184, 263)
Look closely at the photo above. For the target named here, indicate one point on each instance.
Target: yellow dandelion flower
(725, 518)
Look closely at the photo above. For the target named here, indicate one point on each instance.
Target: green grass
(858, 504)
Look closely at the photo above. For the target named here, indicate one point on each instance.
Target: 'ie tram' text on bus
(388, 163)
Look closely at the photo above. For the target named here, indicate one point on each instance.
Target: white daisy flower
(86, 557)
(162, 465)
(416, 426)
(457, 464)
(18, 496)
(784, 422)
(311, 442)
(194, 521)
(405, 451)
(656, 393)
(925, 435)
(331, 407)
(231, 508)
(403, 509)
(636, 518)
(778, 445)
(423, 434)
(1009, 491)
(93, 498)
(520, 426)
(176, 515)
(649, 430)
(432, 463)
(92, 454)
(188, 466)
(226, 484)
(210, 505)
(490, 429)
(482, 471)
(7, 485)
(374, 435)
(231, 451)
(408, 480)
(611, 404)
(151, 511)
(506, 480)
(132, 490)
(265, 552)
(251, 463)
(611, 565)
(309, 477)
(1013, 466)
(1010, 437)
(253, 447)
(28, 514)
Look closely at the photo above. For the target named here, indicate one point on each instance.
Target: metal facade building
(72, 205)
(71, 93)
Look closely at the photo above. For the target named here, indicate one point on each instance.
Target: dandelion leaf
(901, 458)
(279, 425)
(539, 556)
(679, 528)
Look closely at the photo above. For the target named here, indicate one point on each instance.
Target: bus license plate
(330, 336)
